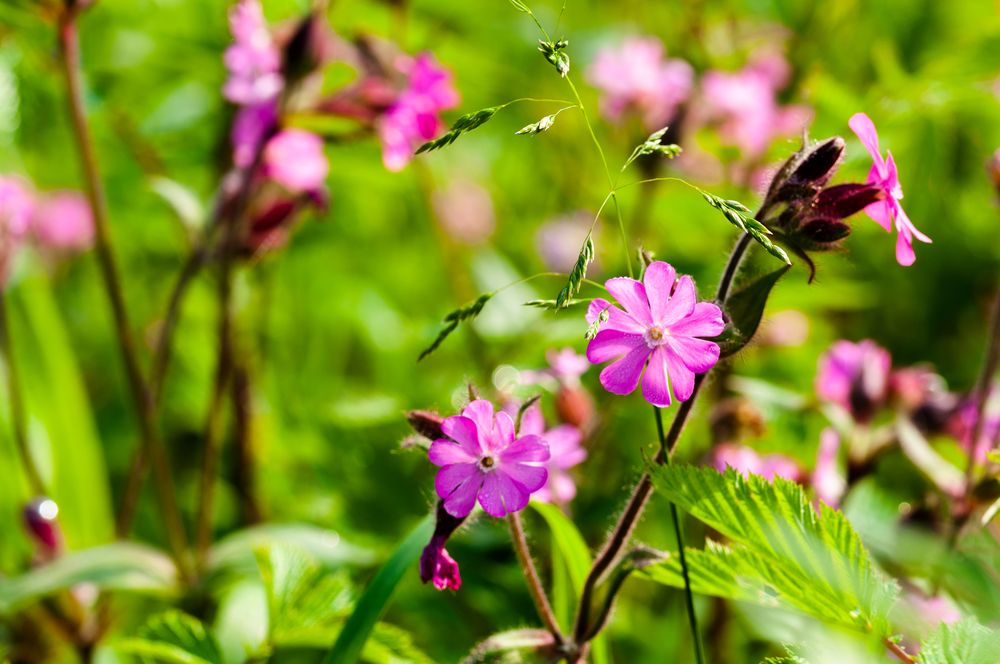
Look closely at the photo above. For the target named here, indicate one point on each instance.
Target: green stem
(675, 518)
(538, 595)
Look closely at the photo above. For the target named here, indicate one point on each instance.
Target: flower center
(486, 462)
(654, 336)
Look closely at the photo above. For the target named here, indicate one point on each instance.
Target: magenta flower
(962, 424)
(636, 77)
(659, 330)
(62, 221)
(827, 481)
(855, 376)
(253, 61)
(747, 462)
(17, 204)
(745, 105)
(251, 126)
(294, 158)
(413, 118)
(883, 174)
(438, 567)
(482, 458)
(565, 452)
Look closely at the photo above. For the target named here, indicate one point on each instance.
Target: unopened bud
(823, 231)
(575, 406)
(303, 52)
(427, 423)
(843, 200)
(41, 519)
(805, 172)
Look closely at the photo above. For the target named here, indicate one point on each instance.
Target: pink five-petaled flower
(565, 452)
(482, 458)
(413, 117)
(662, 323)
(294, 158)
(883, 174)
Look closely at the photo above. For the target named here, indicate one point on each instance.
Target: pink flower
(855, 376)
(883, 174)
(16, 207)
(661, 326)
(439, 567)
(482, 458)
(251, 127)
(413, 118)
(745, 104)
(466, 211)
(747, 462)
(253, 61)
(636, 77)
(294, 158)
(559, 239)
(62, 221)
(565, 368)
(565, 452)
(962, 424)
(828, 483)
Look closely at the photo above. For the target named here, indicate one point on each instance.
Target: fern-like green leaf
(173, 637)
(966, 642)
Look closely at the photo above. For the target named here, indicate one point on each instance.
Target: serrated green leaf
(744, 309)
(123, 566)
(375, 600)
(176, 638)
(783, 550)
(965, 642)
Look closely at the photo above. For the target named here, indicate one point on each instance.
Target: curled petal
(863, 126)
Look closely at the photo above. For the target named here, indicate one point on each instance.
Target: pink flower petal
(704, 321)
(611, 344)
(446, 453)
(503, 432)
(659, 282)
(632, 296)
(524, 450)
(881, 213)
(681, 304)
(480, 411)
(463, 431)
(905, 255)
(458, 486)
(622, 376)
(681, 377)
(528, 477)
(617, 319)
(698, 355)
(656, 381)
(532, 421)
(501, 495)
(863, 126)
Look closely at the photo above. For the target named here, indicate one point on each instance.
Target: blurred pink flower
(828, 483)
(934, 610)
(565, 368)
(855, 376)
(439, 567)
(16, 207)
(883, 174)
(294, 158)
(413, 118)
(253, 61)
(962, 424)
(560, 239)
(662, 325)
(745, 105)
(62, 221)
(747, 462)
(565, 452)
(636, 77)
(466, 211)
(481, 458)
(251, 126)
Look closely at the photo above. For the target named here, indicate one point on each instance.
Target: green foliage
(174, 637)
(463, 125)
(555, 53)
(744, 309)
(451, 321)
(505, 642)
(739, 215)
(577, 274)
(965, 642)
(121, 567)
(783, 552)
(653, 145)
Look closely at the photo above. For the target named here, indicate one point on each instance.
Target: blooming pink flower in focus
(482, 458)
(62, 221)
(747, 462)
(565, 452)
(253, 61)
(883, 174)
(660, 326)
(439, 567)
(746, 106)
(413, 118)
(294, 158)
(855, 376)
(828, 483)
(636, 77)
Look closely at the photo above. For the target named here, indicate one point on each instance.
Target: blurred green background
(333, 323)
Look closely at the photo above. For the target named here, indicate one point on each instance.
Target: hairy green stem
(145, 409)
(538, 595)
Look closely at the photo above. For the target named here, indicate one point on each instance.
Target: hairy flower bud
(806, 172)
(426, 422)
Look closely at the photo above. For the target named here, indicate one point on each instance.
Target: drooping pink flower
(636, 77)
(253, 60)
(661, 330)
(855, 376)
(746, 461)
(294, 158)
(481, 458)
(883, 174)
(745, 104)
(413, 118)
(827, 481)
(438, 567)
(565, 452)
(62, 221)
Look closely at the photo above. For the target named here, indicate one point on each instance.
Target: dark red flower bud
(427, 423)
(41, 519)
(824, 231)
(575, 406)
(843, 200)
(805, 172)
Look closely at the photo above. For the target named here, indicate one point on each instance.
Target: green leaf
(569, 553)
(740, 216)
(174, 637)
(783, 552)
(451, 321)
(965, 642)
(391, 645)
(122, 566)
(515, 639)
(744, 309)
(463, 125)
(652, 145)
(375, 600)
(307, 604)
